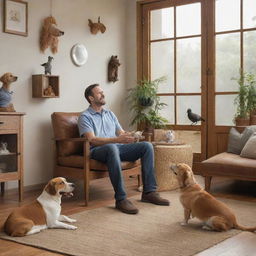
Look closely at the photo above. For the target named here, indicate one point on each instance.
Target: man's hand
(125, 138)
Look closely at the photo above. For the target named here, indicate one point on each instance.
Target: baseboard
(13, 191)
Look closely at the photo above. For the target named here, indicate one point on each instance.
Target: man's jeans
(113, 154)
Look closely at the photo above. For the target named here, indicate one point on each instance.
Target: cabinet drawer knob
(1, 122)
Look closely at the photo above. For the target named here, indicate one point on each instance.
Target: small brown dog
(200, 204)
(5, 94)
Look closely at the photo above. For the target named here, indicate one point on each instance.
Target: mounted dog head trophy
(49, 35)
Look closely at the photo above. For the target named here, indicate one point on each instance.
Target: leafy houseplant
(145, 104)
(246, 98)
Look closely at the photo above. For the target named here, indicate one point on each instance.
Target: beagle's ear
(50, 188)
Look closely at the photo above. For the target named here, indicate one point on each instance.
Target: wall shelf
(40, 83)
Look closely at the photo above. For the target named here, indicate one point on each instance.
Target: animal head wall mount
(96, 27)
(49, 35)
(113, 69)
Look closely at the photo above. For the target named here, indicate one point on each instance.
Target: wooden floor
(101, 194)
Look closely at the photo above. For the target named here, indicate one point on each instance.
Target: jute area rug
(154, 231)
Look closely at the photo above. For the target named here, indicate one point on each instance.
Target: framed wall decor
(16, 17)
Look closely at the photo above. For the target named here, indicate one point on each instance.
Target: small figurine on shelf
(5, 93)
(170, 136)
(48, 66)
(49, 91)
(3, 149)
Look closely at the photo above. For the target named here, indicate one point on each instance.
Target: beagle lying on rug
(200, 204)
(43, 213)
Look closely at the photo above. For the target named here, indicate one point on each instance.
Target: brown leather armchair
(73, 154)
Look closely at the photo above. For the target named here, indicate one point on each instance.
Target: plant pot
(240, 121)
(146, 102)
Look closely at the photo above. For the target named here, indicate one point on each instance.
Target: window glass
(227, 15)
(188, 24)
(189, 65)
(162, 23)
(227, 61)
(162, 64)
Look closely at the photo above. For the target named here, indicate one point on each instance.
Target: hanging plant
(145, 104)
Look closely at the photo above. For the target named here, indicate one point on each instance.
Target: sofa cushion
(228, 164)
(77, 161)
(249, 150)
(237, 140)
(65, 126)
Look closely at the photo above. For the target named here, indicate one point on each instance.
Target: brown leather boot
(154, 198)
(126, 206)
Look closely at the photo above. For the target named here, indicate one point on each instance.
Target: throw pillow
(236, 140)
(249, 150)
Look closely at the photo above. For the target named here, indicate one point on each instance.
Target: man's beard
(100, 103)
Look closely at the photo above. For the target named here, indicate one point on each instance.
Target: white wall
(21, 56)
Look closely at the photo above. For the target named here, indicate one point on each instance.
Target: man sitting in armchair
(111, 144)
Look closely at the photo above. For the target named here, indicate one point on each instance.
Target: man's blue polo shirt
(104, 124)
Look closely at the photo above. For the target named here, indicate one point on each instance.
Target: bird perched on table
(194, 118)
(48, 66)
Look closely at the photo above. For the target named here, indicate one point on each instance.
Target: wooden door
(232, 49)
(172, 43)
(202, 75)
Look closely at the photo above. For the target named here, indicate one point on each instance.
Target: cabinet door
(9, 153)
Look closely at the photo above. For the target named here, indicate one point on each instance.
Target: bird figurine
(194, 118)
(48, 66)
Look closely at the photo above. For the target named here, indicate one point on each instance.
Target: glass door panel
(168, 111)
(188, 19)
(227, 15)
(250, 51)
(225, 109)
(189, 65)
(192, 138)
(227, 61)
(162, 23)
(183, 104)
(249, 13)
(8, 153)
(162, 64)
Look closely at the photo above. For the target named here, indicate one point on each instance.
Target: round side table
(165, 156)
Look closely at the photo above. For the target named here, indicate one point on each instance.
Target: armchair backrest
(65, 126)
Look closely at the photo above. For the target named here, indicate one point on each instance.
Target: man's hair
(88, 91)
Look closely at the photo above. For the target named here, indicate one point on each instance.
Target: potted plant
(145, 104)
(251, 97)
(241, 101)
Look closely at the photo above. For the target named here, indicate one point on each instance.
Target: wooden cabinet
(45, 86)
(11, 149)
